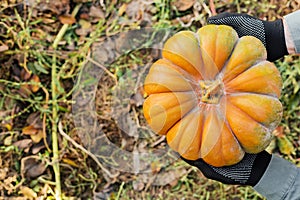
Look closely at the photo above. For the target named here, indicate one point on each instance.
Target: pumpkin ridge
(196, 110)
(194, 68)
(269, 124)
(221, 73)
(226, 123)
(249, 68)
(262, 71)
(262, 146)
(186, 114)
(237, 107)
(244, 40)
(181, 103)
(245, 93)
(225, 81)
(183, 116)
(184, 73)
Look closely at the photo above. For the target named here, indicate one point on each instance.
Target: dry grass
(98, 109)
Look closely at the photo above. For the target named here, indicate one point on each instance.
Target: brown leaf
(85, 28)
(37, 147)
(85, 24)
(8, 140)
(28, 192)
(135, 10)
(24, 90)
(84, 16)
(36, 138)
(67, 19)
(35, 120)
(35, 79)
(96, 12)
(31, 167)
(8, 126)
(183, 5)
(24, 144)
(30, 130)
(25, 75)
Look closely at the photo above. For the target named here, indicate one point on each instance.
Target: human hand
(247, 172)
(271, 33)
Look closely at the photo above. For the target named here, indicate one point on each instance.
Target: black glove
(247, 172)
(271, 33)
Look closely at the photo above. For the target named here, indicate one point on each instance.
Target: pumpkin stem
(211, 91)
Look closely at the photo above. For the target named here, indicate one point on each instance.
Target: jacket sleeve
(293, 23)
(280, 181)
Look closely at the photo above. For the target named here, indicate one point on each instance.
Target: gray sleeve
(280, 181)
(293, 22)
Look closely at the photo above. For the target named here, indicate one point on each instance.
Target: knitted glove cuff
(247, 172)
(275, 39)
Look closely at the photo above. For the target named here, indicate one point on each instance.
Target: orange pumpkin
(213, 95)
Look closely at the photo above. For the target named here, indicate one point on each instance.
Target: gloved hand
(247, 172)
(271, 33)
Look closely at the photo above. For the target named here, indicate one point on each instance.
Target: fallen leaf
(24, 144)
(25, 91)
(25, 75)
(28, 192)
(32, 166)
(85, 28)
(36, 80)
(85, 24)
(67, 19)
(96, 12)
(85, 16)
(8, 140)
(37, 147)
(29, 130)
(285, 145)
(183, 5)
(8, 126)
(36, 138)
(135, 10)
(35, 120)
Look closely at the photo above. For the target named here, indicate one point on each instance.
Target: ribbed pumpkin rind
(244, 118)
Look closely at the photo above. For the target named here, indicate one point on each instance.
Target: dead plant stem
(85, 151)
(54, 82)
